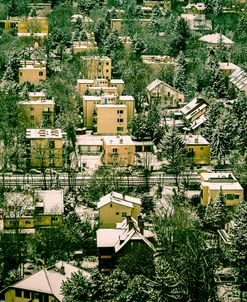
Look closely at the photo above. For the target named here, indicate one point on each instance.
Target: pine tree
(239, 247)
(138, 46)
(180, 75)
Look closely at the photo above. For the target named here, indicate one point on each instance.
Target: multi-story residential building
(238, 80)
(118, 150)
(100, 86)
(194, 112)
(165, 4)
(164, 94)
(117, 24)
(228, 68)
(197, 22)
(95, 67)
(37, 96)
(41, 8)
(84, 47)
(123, 240)
(114, 207)
(198, 148)
(108, 114)
(44, 286)
(159, 63)
(44, 148)
(9, 23)
(40, 113)
(213, 183)
(86, 21)
(28, 211)
(33, 72)
(33, 25)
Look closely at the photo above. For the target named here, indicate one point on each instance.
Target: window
(41, 73)
(120, 120)
(32, 109)
(18, 292)
(114, 150)
(110, 205)
(27, 222)
(120, 129)
(99, 63)
(201, 148)
(230, 196)
(107, 70)
(27, 294)
(99, 70)
(117, 213)
(236, 196)
(32, 117)
(107, 63)
(168, 93)
(20, 74)
(54, 218)
(124, 214)
(120, 111)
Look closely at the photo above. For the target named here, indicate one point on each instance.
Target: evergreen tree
(180, 75)
(239, 247)
(138, 46)
(12, 9)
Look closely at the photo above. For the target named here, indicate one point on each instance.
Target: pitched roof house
(44, 285)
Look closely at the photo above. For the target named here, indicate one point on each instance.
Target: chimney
(141, 224)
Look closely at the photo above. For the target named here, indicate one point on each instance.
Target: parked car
(34, 171)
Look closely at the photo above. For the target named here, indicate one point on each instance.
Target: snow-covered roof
(39, 94)
(85, 81)
(49, 280)
(192, 105)
(43, 133)
(157, 82)
(52, 201)
(199, 6)
(117, 238)
(215, 39)
(228, 66)
(239, 78)
(195, 140)
(38, 102)
(117, 81)
(126, 98)
(118, 140)
(229, 186)
(118, 198)
(218, 176)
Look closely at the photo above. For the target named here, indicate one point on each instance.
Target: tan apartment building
(33, 26)
(114, 207)
(164, 95)
(96, 110)
(95, 67)
(198, 148)
(100, 86)
(40, 112)
(165, 4)
(33, 72)
(159, 63)
(84, 47)
(117, 24)
(118, 150)
(44, 148)
(37, 96)
(213, 183)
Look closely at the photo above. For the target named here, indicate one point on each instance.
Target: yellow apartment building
(111, 119)
(94, 67)
(159, 63)
(42, 8)
(198, 148)
(33, 72)
(166, 4)
(9, 23)
(117, 24)
(30, 210)
(84, 47)
(164, 94)
(114, 207)
(40, 112)
(119, 150)
(92, 112)
(37, 96)
(33, 25)
(213, 183)
(44, 148)
(100, 86)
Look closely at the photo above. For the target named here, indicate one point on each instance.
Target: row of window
(41, 73)
(123, 214)
(31, 295)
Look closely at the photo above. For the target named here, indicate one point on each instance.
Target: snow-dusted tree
(216, 214)
(180, 75)
(112, 45)
(138, 46)
(222, 137)
(239, 247)
(218, 7)
(173, 149)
